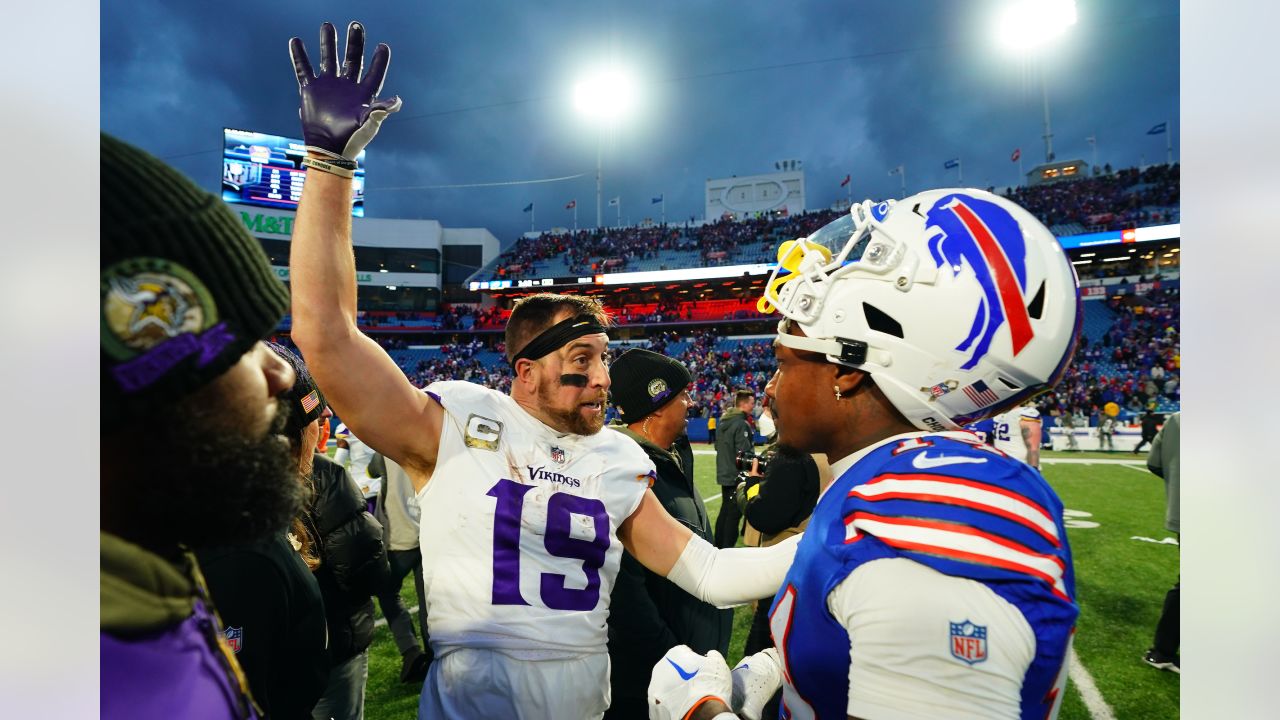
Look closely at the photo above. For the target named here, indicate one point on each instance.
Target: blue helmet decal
(987, 238)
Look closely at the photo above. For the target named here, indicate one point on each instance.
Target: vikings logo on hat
(969, 642)
(658, 389)
(155, 314)
(985, 237)
(235, 638)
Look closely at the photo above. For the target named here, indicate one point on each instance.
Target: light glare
(1030, 24)
(606, 94)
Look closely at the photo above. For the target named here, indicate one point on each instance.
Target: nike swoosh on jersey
(924, 460)
(684, 674)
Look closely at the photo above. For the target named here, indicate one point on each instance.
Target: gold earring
(645, 427)
(838, 395)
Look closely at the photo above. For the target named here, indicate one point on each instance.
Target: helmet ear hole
(880, 321)
(1036, 308)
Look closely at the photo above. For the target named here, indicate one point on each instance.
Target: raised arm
(340, 114)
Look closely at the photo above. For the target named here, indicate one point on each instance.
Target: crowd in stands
(1111, 201)
(1135, 364)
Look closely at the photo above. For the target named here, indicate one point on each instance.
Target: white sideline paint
(1093, 701)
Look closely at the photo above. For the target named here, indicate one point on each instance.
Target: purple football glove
(340, 112)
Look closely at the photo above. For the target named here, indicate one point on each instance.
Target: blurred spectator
(1163, 461)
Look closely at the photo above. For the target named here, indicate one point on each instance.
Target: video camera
(742, 461)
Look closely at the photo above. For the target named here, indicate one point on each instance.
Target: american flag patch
(980, 394)
(312, 399)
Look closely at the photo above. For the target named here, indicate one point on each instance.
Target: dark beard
(198, 483)
(572, 420)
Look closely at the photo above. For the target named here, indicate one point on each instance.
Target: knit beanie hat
(306, 402)
(644, 381)
(186, 290)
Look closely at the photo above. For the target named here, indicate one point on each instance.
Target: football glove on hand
(682, 680)
(755, 680)
(340, 112)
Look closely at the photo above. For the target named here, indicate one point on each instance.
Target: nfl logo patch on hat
(969, 642)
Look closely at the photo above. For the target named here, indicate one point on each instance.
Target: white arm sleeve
(340, 456)
(898, 614)
(732, 576)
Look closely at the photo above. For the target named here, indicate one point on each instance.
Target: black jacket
(733, 435)
(785, 498)
(648, 614)
(270, 604)
(353, 558)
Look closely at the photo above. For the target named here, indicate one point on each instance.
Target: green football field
(1120, 585)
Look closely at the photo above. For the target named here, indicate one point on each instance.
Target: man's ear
(848, 379)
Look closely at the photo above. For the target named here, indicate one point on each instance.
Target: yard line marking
(1093, 701)
(1140, 468)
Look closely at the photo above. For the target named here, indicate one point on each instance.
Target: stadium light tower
(1028, 26)
(604, 96)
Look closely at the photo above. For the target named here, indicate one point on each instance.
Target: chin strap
(848, 352)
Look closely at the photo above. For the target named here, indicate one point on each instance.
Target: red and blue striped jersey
(948, 502)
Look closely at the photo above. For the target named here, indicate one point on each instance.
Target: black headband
(556, 336)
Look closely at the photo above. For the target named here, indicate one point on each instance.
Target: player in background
(1017, 434)
(985, 429)
(355, 455)
(525, 505)
(934, 578)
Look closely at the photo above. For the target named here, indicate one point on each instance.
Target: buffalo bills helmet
(959, 303)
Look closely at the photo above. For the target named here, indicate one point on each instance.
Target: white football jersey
(1008, 431)
(358, 459)
(519, 528)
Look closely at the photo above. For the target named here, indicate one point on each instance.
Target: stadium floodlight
(1027, 25)
(604, 96)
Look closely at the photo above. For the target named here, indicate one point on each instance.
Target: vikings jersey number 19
(519, 528)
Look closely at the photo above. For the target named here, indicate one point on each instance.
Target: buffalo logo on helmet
(984, 236)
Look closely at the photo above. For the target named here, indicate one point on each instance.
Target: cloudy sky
(725, 89)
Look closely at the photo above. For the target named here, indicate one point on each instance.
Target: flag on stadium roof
(897, 171)
(528, 208)
(1158, 129)
(656, 200)
(572, 204)
(1017, 153)
(952, 163)
(615, 201)
(846, 180)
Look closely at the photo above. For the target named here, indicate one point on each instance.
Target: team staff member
(648, 614)
(526, 505)
(192, 446)
(934, 578)
(733, 436)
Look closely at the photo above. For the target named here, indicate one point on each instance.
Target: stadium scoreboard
(266, 171)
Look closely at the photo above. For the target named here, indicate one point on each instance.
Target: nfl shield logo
(969, 642)
(557, 455)
(235, 638)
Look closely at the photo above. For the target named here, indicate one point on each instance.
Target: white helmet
(959, 303)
